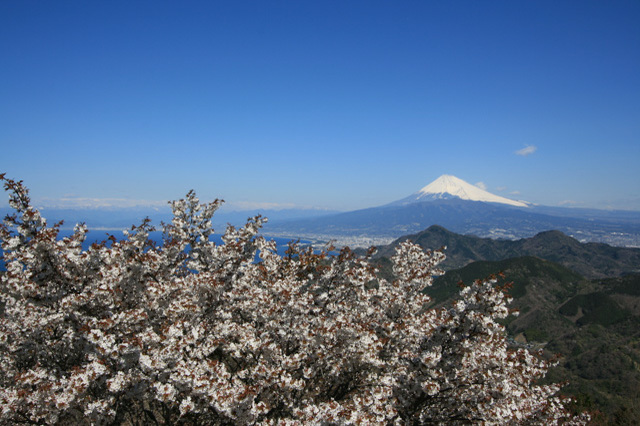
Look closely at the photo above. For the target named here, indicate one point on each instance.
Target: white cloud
(481, 185)
(527, 150)
(515, 193)
(72, 202)
(501, 188)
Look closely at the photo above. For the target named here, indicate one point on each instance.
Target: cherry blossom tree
(193, 332)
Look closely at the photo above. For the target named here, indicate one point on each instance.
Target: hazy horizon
(330, 105)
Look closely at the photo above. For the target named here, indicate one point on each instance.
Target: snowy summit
(447, 186)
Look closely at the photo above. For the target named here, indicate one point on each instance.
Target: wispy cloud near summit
(527, 150)
(481, 185)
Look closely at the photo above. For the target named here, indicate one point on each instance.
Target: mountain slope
(467, 209)
(593, 325)
(467, 217)
(592, 260)
(539, 288)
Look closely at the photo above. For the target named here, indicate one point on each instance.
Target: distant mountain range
(448, 201)
(122, 218)
(467, 209)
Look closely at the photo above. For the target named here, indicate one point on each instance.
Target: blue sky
(328, 104)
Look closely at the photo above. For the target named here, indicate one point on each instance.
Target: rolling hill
(592, 260)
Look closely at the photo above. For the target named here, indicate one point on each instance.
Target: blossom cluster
(190, 331)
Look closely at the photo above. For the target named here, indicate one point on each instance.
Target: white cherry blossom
(201, 333)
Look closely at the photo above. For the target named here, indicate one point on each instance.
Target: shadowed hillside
(594, 325)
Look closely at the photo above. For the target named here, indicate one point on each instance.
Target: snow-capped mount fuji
(449, 187)
(459, 207)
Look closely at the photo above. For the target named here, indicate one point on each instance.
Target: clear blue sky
(333, 104)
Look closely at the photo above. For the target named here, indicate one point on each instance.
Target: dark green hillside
(524, 271)
(594, 326)
(539, 288)
(594, 308)
(625, 291)
(592, 260)
(461, 249)
(627, 284)
(601, 364)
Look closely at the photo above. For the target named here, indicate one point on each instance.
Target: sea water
(97, 236)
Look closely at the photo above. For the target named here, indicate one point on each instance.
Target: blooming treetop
(196, 332)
